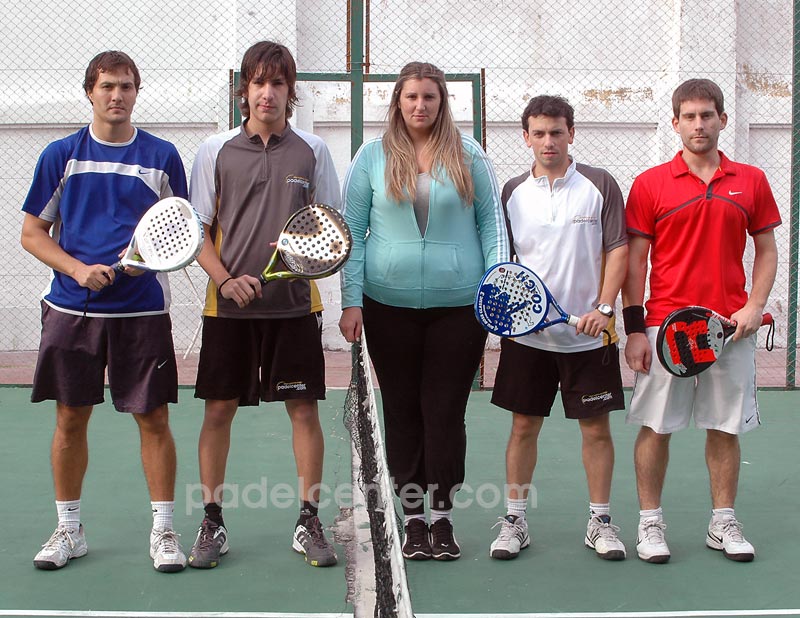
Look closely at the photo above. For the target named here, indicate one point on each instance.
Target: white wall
(615, 61)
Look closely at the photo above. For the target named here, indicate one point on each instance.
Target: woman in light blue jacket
(424, 207)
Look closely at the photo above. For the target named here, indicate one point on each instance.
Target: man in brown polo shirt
(260, 344)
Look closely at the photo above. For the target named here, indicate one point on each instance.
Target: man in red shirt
(691, 217)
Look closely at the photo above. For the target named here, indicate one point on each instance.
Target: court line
(55, 613)
(676, 614)
(136, 614)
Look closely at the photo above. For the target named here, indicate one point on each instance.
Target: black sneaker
(443, 542)
(309, 539)
(417, 545)
(210, 544)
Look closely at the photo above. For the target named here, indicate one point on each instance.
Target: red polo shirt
(698, 232)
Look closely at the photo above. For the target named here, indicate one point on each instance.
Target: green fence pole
(356, 70)
(794, 213)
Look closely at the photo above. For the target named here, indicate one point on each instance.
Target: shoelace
(206, 539)
(442, 533)
(508, 530)
(733, 530)
(417, 534)
(607, 530)
(315, 532)
(167, 541)
(654, 531)
(58, 538)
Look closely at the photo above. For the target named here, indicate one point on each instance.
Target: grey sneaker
(165, 550)
(601, 536)
(210, 544)
(64, 544)
(512, 538)
(726, 535)
(309, 539)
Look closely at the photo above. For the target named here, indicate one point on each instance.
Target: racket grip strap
(633, 319)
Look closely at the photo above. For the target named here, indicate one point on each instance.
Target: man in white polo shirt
(567, 223)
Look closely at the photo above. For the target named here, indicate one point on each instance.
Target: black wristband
(219, 287)
(633, 318)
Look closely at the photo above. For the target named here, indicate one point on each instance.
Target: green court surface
(261, 576)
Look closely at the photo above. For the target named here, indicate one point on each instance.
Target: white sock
(517, 507)
(596, 510)
(649, 514)
(162, 514)
(408, 518)
(720, 514)
(437, 515)
(69, 513)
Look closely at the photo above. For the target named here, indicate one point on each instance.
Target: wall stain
(764, 83)
(609, 96)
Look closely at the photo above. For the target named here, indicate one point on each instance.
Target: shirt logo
(291, 179)
(579, 219)
(734, 192)
(143, 171)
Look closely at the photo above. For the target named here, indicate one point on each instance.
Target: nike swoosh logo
(161, 365)
(734, 192)
(714, 537)
(749, 419)
(72, 508)
(141, 171)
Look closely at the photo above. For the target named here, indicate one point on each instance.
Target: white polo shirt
(563, 234)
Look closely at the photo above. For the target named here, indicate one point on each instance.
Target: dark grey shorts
(252, 359)
(528, 379)
(74, 352)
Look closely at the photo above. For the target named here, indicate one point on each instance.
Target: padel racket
(168, 237)
(513, 301)
(314, 243)
(691, 339)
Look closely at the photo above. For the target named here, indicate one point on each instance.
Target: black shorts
(75, 350)
(256, 360)
(528, 378)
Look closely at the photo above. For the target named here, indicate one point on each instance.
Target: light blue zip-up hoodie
(395, 264)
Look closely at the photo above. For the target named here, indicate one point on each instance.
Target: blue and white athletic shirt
(94, 193)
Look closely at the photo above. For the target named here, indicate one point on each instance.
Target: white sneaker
(65, 544)
(165, 550)
(726, 535)
(650, 543)
(601, 536)
(512, 538)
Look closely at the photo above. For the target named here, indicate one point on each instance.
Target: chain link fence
(616, 62)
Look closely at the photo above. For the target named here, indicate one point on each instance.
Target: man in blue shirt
(88, 193)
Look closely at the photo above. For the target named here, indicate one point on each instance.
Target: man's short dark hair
(550, 106)
(107, 61)
(697, 89)
(264, 60)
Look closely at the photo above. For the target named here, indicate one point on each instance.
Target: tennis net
(377, 584)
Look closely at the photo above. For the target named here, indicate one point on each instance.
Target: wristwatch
(606, 310)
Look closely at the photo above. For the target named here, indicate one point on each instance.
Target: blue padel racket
(690, 339)
(512, 301)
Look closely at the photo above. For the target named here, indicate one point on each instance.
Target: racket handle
(119, 267)
(573, 320)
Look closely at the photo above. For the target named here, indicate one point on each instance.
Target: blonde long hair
(444, 144)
